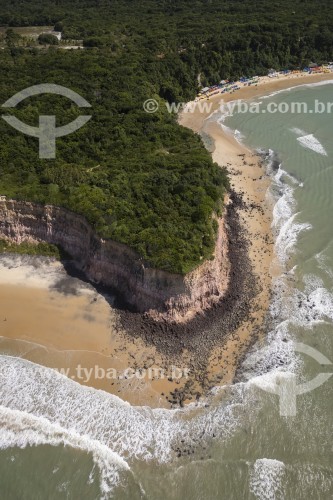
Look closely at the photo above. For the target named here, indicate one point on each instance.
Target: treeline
(24, 248)
(140, 178)
(217, 38)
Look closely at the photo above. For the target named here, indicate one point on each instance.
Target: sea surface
(60, 440)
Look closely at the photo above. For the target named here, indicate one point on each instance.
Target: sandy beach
(249, 180)
(66, 326)
(196, 118)
(63, 323)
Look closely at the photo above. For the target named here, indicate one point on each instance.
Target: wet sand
(195, 119)
(249, 180)
(69, 326)
(76, 331)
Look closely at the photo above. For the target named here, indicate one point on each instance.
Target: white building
(57, 34)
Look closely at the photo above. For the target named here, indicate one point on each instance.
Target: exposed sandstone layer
(161, 294)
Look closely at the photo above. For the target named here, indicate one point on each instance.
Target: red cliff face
(159, 293)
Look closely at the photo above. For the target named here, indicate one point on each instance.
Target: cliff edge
(160, 294)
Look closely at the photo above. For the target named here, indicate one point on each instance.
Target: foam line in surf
(297, 87)
(21, 429)
(287, 238)
(285, 224)
(311, 142)
(298, 131)
(136, 432)
(266, 479)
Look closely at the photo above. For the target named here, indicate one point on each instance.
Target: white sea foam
(298, 87)
(285, 206)
(322, 259)
(312, 143)
(313, 305)
(277, 92)
(298, 131)
(318, 84)
(271, 381)
(289, 307)
(21, 429)
(315, 479)
(272, 161)
(282, 174)
(262, 151)
(62, 411)
(266, 479)
(285, 224)
(309, 141)
(288, 236)
(276, 356)
(271, 479)
(239, 136)
(226, 129)
(301, 308)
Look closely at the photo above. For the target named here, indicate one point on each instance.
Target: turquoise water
(60, 440)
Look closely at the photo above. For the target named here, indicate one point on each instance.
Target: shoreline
(251, 183)
(210, 345)
(128, 339)
(115, 267)
(194, 118)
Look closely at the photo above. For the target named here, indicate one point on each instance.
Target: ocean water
(60, 440)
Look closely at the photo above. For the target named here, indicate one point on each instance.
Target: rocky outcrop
(162, 295)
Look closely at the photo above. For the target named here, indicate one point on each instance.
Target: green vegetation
(219, 38)
(48, 39)
(140, 178)
(32, 249)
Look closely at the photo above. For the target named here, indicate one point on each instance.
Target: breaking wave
(41, 406)
(286, 225)
(266, 479)
(21, 429)
(312, 143)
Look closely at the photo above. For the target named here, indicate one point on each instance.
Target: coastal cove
(238, 317)
(223, 442)
(166, 343)
(166, 250)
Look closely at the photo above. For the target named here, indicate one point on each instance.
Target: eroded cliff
(162, 295)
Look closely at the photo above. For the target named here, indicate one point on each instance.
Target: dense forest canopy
(221, 38)
(138, 178)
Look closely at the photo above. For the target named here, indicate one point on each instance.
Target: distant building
(57, 34)
(3, 198)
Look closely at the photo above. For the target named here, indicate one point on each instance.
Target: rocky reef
(162, 295)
